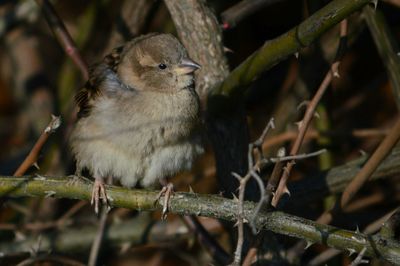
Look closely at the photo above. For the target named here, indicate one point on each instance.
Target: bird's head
(156, 62)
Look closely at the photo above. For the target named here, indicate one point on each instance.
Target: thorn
(309, 244)
(351, 251)
(299, 124)
(49, 193)
(228, 50)
(286, 190)
(302, 104)
(238, 177)
(336, 74)
(235, 199)
(362, 153)
(39, 177)
(375, 3)
(296, 54)
(35, 164)
(357, 230)
(191, 189)
(316, 115)
(281, 152)
(124, 247)
(245, 221)
(236, 224)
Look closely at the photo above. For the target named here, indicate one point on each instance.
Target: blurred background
(38, 79)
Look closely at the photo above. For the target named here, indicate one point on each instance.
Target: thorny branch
(64, 38)
(205, 205)
(33, 155)
(309, 114)
(253, 169)
(364, 174)
(303, 125)
(278, 49)
(330, 253)
(242, 187)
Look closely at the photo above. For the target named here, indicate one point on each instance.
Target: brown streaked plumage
(138, 115)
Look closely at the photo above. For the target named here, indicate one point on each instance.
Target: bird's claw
(97, 192)
(165, 192)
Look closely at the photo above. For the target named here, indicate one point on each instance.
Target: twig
(359, 259)
(333, 181)
(297, 156)
(341, 48)
(393, 2)
(33, 155)
(248, 260)
(276, 173)
(314, 134)
(310, 111)
(359, 180)
(38, 226)
(94, 251)
(377, 157)
(252, 173)
(205, 205)
(233, 15)
(62, 35)
(216, 251)
(74, 209)
(303, 125)
(390, 227)
(387, 47)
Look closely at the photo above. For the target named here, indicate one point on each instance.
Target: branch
(63, 36)
(335, 180)
(33, 155)
(368, 169)
(387, 47)
(201, 34)
(276, 50)
(233, 15)
(205, 205)
(303, 126)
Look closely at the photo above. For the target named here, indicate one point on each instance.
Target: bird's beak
(187, 66)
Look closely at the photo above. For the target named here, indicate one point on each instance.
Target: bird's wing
(102, 80)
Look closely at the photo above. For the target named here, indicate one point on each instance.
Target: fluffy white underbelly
(103, 158)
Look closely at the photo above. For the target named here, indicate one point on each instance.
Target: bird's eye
(162, 66)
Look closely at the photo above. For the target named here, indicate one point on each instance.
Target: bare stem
(63, 36)
(33, 155)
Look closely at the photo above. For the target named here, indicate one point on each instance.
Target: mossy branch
(204, 205)
(276, 50)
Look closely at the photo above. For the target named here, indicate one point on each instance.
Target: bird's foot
(167, 191)
(97, 192)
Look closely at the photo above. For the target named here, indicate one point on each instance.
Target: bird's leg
(166, 191)
(98, 190)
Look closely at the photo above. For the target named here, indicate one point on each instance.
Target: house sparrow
(138, 116)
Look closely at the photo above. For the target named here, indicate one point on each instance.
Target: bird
(139, 117)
